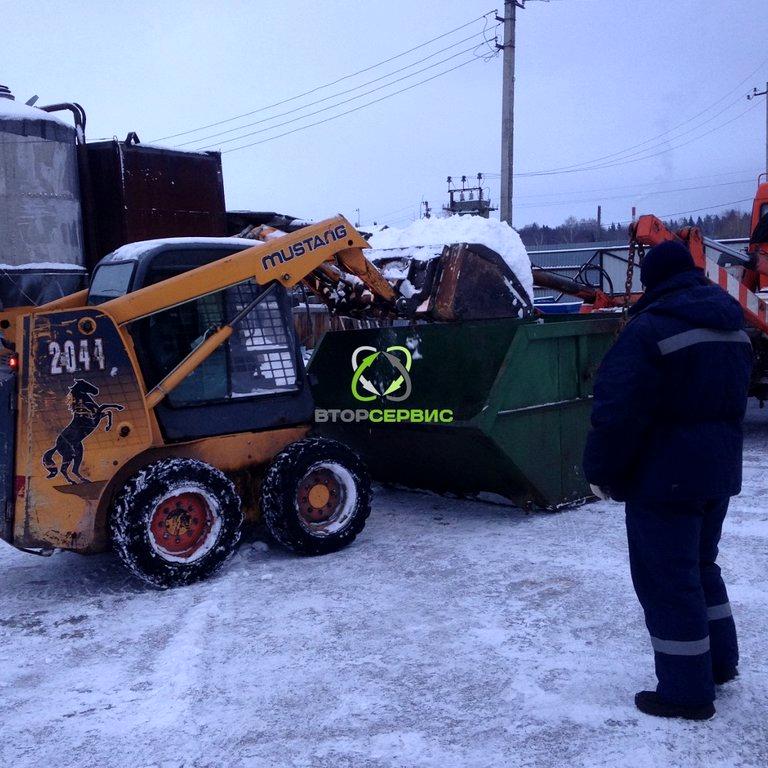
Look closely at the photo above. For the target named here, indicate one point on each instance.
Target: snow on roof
(47, 266)
(168, 147)
(132, 251)
(425, 238)
(15, 110)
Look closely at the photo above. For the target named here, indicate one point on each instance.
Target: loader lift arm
(312, 255)
(286, 260)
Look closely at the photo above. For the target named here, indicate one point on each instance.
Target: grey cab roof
(132, 252)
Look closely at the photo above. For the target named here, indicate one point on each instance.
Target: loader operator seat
(254, 381)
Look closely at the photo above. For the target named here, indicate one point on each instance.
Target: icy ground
(452, 634)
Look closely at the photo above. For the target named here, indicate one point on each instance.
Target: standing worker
(669, 401)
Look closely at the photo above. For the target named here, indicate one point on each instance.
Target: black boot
(722, 676)
(650, 703)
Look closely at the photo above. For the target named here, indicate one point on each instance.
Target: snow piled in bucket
(425, 238)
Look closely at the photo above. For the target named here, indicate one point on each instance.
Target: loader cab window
(169, 336)
(259, 358)
(262, 348)
(110, 281)
(254, 381)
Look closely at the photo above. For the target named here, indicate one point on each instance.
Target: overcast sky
(595, 79)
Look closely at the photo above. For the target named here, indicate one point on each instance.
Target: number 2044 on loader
(156, 410)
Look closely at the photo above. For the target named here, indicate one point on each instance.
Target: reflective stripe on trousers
(681, 647)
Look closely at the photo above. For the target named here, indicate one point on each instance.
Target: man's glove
(602, 493)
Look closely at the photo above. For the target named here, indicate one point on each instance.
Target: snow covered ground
(451, 634)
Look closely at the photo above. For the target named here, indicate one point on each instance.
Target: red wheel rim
(180, 525)
(319, 497)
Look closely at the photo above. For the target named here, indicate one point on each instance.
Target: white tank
(40, 212)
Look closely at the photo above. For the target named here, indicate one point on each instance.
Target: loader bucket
(498, 406)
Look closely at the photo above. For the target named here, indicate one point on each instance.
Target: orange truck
(742, 273)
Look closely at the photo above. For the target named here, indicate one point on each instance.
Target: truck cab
(758, 241)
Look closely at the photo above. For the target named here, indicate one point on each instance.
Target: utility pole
(508, 106)
(755, 93)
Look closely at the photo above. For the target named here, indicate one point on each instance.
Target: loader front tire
(176, 522)
(315, 496)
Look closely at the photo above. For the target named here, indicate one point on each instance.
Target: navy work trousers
(673, 560)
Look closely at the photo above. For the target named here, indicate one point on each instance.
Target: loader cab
(255, 381)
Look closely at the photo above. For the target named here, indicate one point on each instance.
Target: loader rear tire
(176, 522)
(316, 496)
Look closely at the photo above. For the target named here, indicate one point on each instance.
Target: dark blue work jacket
(670, 396)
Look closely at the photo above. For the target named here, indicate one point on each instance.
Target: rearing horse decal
(87, 415)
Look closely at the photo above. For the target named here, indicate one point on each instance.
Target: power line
(350, 111)
(642, 154)
(398, 210)
(629, 221)
(343, 93)
(627, 160)
(490, 177)
(695, 210)
(638, 159)
(678, 146)
(670, 130)
(492, 49)
(328, 85)
(630, 195)
(331, 106)
(600, 197)
(652, 140)
(627, 153)
(407, 218)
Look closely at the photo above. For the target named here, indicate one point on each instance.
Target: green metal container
(518, 393)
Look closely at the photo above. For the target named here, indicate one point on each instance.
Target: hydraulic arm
(326, 248)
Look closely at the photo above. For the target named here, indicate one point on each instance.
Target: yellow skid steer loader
(154, 411)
